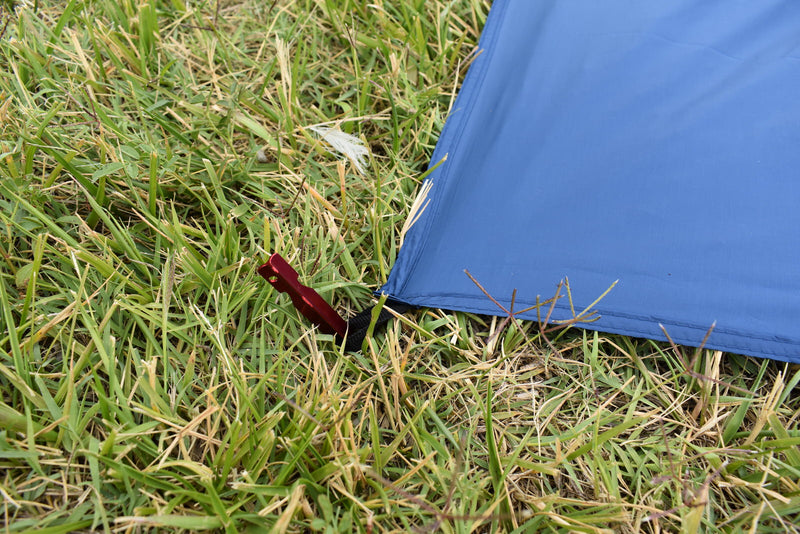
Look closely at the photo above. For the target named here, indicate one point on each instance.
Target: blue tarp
(654, 143)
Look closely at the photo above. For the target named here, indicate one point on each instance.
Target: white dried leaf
(348, 145)
(417, 208)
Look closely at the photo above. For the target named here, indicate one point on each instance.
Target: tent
(656, 144)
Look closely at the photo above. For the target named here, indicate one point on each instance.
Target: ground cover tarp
(654, 143)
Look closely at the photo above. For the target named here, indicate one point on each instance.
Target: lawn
(154, 153)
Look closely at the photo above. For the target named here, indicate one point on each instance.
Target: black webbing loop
(358, 325)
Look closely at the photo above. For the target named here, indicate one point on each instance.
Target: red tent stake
(307, 301)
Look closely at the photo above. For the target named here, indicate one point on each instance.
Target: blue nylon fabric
(654, 143)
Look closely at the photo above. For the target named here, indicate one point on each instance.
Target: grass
(151, 381)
